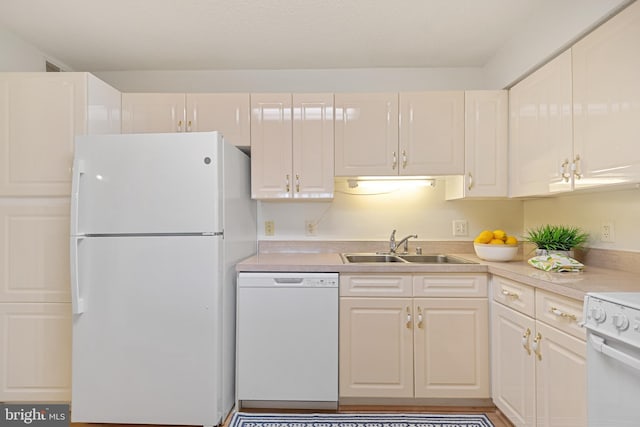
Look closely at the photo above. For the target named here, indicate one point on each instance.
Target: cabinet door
(34, 251)
(451, 348)
(513, 365)
(431, 133)
(313, 146)
(366, 134)
(606, 90)
(541, 136)
(271, 146)
(40, 114)
(153, 113)
(376, 348)
(561, 378)
(225, 112)
(35, 352)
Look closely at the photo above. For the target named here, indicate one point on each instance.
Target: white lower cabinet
(35, 355)
(401, 336)
(538, 356)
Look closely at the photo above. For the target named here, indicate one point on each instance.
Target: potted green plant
(556, 238)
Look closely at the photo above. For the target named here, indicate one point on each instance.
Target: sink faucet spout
(394, 245)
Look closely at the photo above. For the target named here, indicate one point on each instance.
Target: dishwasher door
(287, 338)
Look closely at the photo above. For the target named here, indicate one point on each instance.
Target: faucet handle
(393, 236)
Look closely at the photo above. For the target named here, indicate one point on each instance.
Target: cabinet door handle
(297, 183)
(565, 170)
(179, 125)
(419, 317)
(525, 340)
(536, 345)
(577, 167)
(563, 314)
(287, 183)
(470, 182)
(408, 324)
(394, 163)
(510, 294)
(404, 159)
(189, 126)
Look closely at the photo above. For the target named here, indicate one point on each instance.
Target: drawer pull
(510, 294)
(562, 314)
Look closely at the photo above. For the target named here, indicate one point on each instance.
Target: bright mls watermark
(41, 415)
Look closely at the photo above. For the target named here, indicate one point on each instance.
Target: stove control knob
(598, 314)
(621, 322)
(636, 327)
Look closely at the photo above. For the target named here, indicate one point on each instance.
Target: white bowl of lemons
(495, 246)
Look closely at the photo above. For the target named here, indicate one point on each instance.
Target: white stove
(612, 320)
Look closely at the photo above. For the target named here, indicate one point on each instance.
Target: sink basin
(356, 258)
(435, 259)
(409, 259)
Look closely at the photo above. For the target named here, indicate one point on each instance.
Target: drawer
(450, 285)
(516, 295)
(560, 312)
(375, 285)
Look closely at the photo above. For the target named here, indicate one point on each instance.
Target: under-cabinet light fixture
(397, 182)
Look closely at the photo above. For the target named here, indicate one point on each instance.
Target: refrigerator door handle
(77, 170)
(77, 303)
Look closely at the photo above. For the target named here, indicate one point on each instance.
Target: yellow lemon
(499, 234)
(484, 237)
(511, 240)
(496, 242)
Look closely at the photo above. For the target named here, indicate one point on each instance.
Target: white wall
(421, 211)
(327, 80)
(19, 55)
(588, 211)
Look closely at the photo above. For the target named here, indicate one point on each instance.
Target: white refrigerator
(158, 222)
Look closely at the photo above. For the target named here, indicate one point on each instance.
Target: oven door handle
(599, 345)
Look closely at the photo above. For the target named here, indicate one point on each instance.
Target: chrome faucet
(393, 245)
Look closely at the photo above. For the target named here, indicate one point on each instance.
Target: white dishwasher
(287, 340)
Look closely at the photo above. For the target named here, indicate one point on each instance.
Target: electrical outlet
(607, 233)
(310, 228)
(460, 227)
(269, 228)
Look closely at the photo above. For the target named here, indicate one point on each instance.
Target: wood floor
(493, 414)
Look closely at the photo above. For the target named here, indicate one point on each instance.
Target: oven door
(613, 382)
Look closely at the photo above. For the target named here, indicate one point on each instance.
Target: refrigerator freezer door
(147, 183)
(146, 348)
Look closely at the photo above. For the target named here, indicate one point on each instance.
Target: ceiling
(111, 35)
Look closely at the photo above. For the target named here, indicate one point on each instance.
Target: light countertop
(572, 285)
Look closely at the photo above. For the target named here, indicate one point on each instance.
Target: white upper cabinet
(40, 115)
(292, 146)
(431, 133)
(153, 112)
(366, 134)
(606, 99)
(540, 147)
(227, 113)
(486, 137)
(386, 134)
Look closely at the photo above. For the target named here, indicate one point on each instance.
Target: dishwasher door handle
(288, 280)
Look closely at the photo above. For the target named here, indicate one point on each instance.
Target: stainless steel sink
(435, 259)
(357, 258)
(354, 258)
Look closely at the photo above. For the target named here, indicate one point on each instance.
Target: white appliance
(158, 222)
(287, 340)
(612, 320)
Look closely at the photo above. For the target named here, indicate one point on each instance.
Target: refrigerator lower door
(146, 346)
